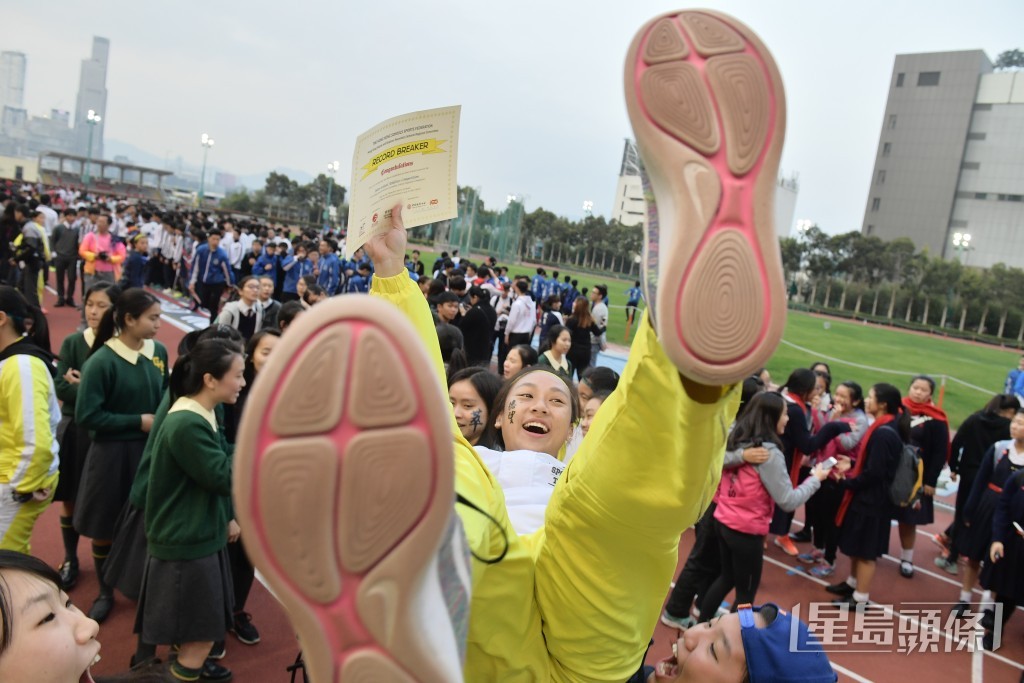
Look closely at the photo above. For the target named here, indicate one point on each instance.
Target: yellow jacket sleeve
(28, 454)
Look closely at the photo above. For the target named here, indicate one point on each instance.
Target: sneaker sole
(708, 110)
(344, 482)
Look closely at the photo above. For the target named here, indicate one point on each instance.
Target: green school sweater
(189, 498)
(140, 486)
(73, 353)
(119, 386)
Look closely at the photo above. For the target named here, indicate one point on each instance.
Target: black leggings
(742, 558)
(701, 569)
(821, 515)
(242, 574)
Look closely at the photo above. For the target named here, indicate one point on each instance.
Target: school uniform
(929, 431)
(118, 386)
(246, 319)
(74, 441)
(798, 439)
(135, 269)
(330, 274)
(186, 590)
(294, 270)
(1005, 578)
(866, 510)
(563, 368)
(211, 274)
(971, 444)
(996, 469)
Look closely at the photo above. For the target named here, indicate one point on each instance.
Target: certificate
(408, 160)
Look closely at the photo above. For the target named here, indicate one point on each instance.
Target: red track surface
(267, 660)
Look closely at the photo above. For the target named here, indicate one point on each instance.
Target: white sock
(860, 597)
(907, 556)
(965, 596)
(851, 582)
(986, 600)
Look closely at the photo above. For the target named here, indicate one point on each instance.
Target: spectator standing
(64, 244)
(522, 318)
(599, 311)
(477, 325)
(211, 274)
(103, 255)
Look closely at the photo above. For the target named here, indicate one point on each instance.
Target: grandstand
(127, 180)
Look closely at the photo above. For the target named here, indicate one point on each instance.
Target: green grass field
(857, 344)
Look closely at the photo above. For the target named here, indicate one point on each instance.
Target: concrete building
(629, 205)
(950, 158)
(92, 94)
(12, 80)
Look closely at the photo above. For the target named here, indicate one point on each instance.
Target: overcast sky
(540, 82)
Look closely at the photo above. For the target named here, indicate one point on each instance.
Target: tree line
(864, 277)
(284, 199)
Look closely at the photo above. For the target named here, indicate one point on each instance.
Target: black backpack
(906, 484)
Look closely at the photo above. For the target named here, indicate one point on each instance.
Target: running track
(783, 581)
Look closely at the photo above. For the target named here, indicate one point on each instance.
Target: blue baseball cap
(782, 651)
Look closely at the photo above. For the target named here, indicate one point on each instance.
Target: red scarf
(798, 457)
(859, 466)
(929, 410)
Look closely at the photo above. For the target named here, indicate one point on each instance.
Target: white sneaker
(344, 483)
(709, 113)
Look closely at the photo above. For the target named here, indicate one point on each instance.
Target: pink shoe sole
(708, 109)
(344, 487)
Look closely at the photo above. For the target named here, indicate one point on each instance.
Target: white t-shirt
(527, 479)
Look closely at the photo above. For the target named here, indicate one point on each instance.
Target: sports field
(852, 349)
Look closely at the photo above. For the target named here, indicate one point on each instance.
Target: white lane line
(849, 674)
(916, 622)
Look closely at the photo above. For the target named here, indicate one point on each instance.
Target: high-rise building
(92, 94)
(950, 159)
(12, 80)
(629, 205)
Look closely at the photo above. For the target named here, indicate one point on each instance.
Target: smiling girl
(187, 595)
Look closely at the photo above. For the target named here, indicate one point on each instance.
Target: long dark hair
(453, 347)
(801, 382)
(250, 350)
(19, 310)
(759, 421)
(581, 313)
(209, 356)
(133, 302)
(752, 386)
(1001, 402)
(893, 400)
(487, 385)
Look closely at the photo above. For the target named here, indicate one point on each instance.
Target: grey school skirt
(106, 482)
(187, 601)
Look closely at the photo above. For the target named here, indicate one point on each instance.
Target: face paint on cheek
(475, 421)
(511, 411)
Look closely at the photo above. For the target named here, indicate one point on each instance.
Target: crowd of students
(837, 451)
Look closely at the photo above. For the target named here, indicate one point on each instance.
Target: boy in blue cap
(753, 645)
